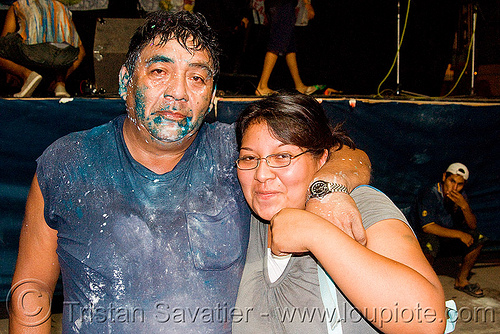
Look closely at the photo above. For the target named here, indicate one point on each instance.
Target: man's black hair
(191, 30)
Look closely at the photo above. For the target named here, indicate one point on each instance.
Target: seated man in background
(39, 36)
(444, 222)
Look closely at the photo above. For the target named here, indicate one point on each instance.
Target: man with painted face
(446, 224)
(144, 216)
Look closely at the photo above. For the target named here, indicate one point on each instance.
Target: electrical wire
(466, 63)
(379, 94)
(397, 53)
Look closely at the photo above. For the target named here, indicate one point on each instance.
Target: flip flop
(259, 93)
(471, 290)
(312, 89)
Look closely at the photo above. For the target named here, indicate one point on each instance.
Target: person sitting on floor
(39, 36)
(444, 222)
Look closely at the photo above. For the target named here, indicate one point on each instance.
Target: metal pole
(473, 69)
(397, 46)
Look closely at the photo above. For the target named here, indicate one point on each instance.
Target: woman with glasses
(302, 273)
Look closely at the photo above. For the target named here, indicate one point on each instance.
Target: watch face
(319, 188)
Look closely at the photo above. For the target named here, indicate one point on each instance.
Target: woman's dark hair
(295, 119)
(180, 26)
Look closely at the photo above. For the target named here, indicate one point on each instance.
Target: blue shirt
(141, 252)
(431, 207)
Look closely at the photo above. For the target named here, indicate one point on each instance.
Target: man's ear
(124, 79)
(444, 177)
(213, 94)
(212, 100)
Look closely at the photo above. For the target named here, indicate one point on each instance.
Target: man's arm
(350, 168)
(469, 216)
(462, 203)
(37, 270)
(444, 232)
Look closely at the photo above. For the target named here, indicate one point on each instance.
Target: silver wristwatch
(320, 189)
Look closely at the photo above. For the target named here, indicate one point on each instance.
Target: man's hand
(458, 199)
(461, 202)
(433, 228)
(466, 238)
(350, 168)
(340, 209)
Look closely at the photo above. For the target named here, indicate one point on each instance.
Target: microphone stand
(398, 42)
(398, 82)
(473, 41)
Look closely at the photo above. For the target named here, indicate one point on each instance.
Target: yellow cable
(397, 53)
(399, 48)
(466, 64)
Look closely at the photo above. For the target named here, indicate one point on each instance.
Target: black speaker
(112, 37)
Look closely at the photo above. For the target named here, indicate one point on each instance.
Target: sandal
(312, 89)
(268, 93)
(473, 290)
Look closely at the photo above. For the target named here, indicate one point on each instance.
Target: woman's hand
(293, 230)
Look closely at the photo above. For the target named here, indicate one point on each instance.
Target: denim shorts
(42, 55)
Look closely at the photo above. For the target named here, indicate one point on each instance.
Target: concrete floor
(475, 315)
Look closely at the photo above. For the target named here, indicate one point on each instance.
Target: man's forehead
(173, 47)
(457, 178)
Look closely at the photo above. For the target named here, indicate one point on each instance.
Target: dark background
(349, 46)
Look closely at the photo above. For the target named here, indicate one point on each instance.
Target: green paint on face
(140, 106)
(159, 127)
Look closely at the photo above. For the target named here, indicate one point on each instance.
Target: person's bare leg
(467, 264)
(60, 79)
(60, 86)
(291, 61)
(15, 69)
(60, 83)
(269, 62)
(19, 71)
(30, 78)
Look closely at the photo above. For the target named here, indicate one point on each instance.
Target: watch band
(320, 189)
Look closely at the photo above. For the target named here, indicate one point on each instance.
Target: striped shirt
(42, 21)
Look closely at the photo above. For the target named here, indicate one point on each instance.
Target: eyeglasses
(278, 160)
